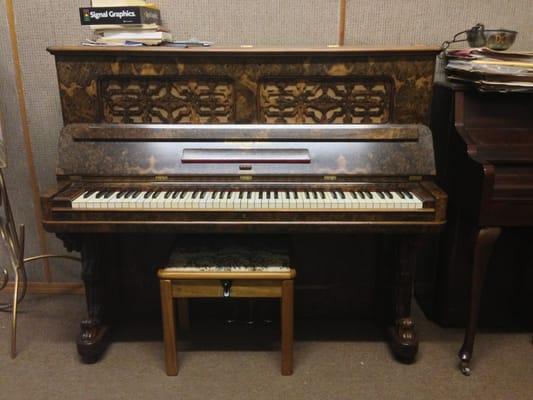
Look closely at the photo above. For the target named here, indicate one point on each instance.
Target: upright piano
(261, 141)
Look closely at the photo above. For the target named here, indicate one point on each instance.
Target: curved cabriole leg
(483, 249)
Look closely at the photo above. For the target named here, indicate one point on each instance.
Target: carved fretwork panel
(351, 99)
(167, 100)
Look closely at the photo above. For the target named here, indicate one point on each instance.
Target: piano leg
(482, 251)
(94, 336)
(402, 334)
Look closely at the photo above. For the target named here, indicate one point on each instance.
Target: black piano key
(156, 194)
(195, 194)
(241, 194)
(203, 194)
(307, 195)
(129, 193)
(260, 195)
(100, 194)
(342, 195)
(89, 193)
(388, 194)
(121, 194)
(223, 195)
(249, 195)
(167, 194)
(183, 194)
(370, 195)
(354, 195)
(322, 195)
(136, 194)
(296, 195)
(276, 195)
(409, 195)
(176, 194)
(108, 194)
(362, 195)
(315, 195)
(402, 196)
(148, 194)
(334, 195)
(381, 195)
(214, 195)
(229, 195)
(268, 195)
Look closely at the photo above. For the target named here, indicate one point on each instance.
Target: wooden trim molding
(342, 22)
(26, 134)
(50, 288)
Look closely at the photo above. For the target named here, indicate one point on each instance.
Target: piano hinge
(245, 177)
(330, 177)
(415, 178)
(161, 178)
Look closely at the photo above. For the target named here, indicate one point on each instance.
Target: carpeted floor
(332, 361)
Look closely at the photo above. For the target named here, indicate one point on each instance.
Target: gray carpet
(334, 361)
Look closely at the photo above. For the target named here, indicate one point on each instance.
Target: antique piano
(328, 142)
(484, 153)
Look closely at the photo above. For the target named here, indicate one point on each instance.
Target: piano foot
(464, 363)
(403, 340)
(93, 340)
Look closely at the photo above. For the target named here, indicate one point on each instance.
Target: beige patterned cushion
(222, 254)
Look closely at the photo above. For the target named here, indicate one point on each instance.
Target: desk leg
(287, 326)
(482, 251)
(402, 335)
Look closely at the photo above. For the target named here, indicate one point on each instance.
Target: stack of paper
(127, 33)
(490, 70)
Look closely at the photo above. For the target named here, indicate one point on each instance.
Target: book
(117, 3)
(119, 15)
(102, 28)
(136, 34)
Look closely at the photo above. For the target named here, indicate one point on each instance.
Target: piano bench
(234, 271)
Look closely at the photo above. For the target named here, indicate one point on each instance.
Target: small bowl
(495, 39)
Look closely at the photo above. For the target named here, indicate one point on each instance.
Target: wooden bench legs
(169, 327)
(169, 324)
(287, 326)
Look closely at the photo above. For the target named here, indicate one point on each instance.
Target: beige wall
(227, 22)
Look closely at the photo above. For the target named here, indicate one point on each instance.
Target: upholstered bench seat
(226, 268)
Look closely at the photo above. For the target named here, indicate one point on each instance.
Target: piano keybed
(271, 200)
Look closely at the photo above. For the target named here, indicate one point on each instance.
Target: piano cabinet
(126, 111)
(484, 155)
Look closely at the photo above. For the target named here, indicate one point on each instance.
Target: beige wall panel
(226, 22)
(37, 28)
(405, 22)
(17, 177)
(257, 22)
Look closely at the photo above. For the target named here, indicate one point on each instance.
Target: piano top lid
(243, 51)
(224, 150)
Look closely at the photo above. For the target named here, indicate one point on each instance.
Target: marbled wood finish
(325, 100)
(410, 75)
(354, 158)
(198, 100)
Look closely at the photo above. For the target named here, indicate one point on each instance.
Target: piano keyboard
(246, 200)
